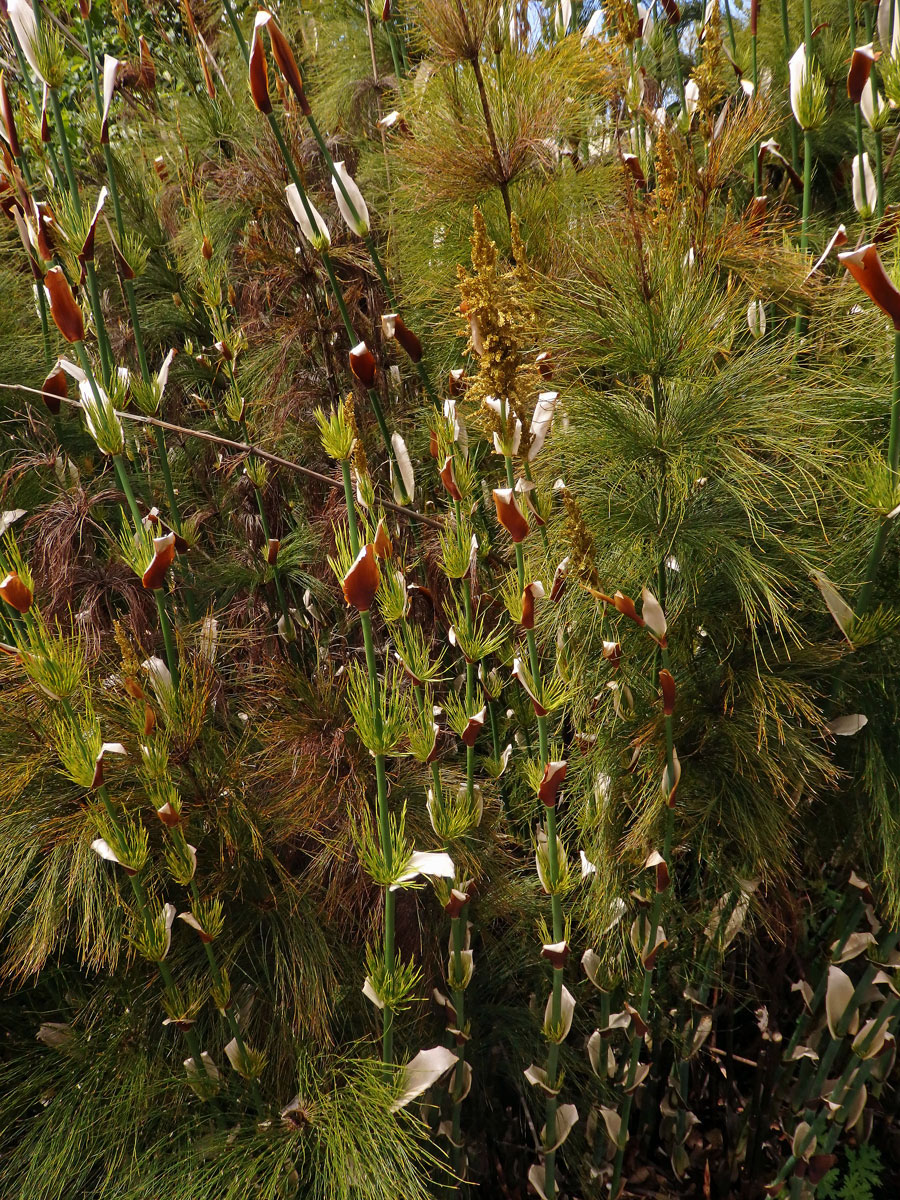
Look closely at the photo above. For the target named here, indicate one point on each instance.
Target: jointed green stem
(757, 169)
(288, 159)
(131, 298)
(35, 100)
(865, 596)
(168, 639)
(71, 178)
(140, 899)
(863, 1069)
(555, 900)
(879, 174)
(384, 831)
(125, 484)
(91, 274)
(655, 914)
(851, 13)
(788, 51)
(22, 164)
(216, 975)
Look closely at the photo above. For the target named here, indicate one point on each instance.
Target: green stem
(264, 522)
(557, 919)
(495, 731)
(140, 899)
(655, 913)
(93, 286)
(865, 596)
(851, 14)
(326, 257)
(35, 100)
(125, 484)
(457, 937)
(800, 323)
(398, 72)
(369, 242)
(164, 622)
(421, 369)
(848, 918)
(785, 25)
(333, 283)
(807, 190)
(128, 285)
(384, 830)
(22, 164)
(863, 1069)
(64, 146)
(879, 174)
(162, 453)
(238, 32)
(757, 169)
(216, 975)
(168, 638)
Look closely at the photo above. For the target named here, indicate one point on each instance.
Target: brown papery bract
(287, 65)
(868, 270)
(9, 122)
(163, 557)
(259, 74)
(16, 594)
(509, 514)
(55, 389)
(360, 583)
(64, 308)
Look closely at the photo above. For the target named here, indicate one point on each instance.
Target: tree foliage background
(483, 630)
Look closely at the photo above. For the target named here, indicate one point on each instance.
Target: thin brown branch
(492, 138)
(243, 447)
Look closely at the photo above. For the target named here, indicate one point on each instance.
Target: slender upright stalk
(382, 814)
(128, 284)
(288, 159)
(879, 173)
(851, 14)
(788, 51)
(669, 827)
(654, 923)
(158, 595)
(168, 638)
(264, 523)
(140, 896)
(395, 56)
(807, 190)
(553, 862)
(754, 68)
(22, 164)
(125, 484)
(71, 178)
(800, 322)
(368, 239)
(106, 362)
(502, 182)
(176, 833)
(843, 1088)
(865, 596)
(121, 467)
(25, 72)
